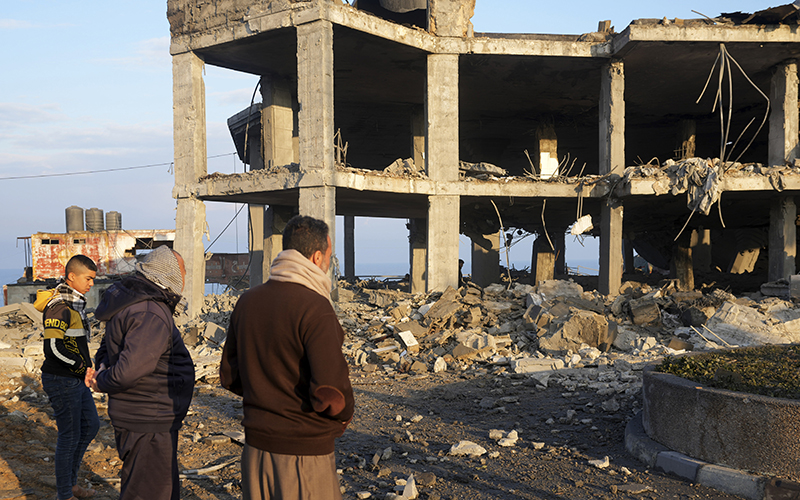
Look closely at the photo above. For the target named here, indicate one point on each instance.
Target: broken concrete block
(534, 365)
(494, 289)
(551, 289)
(381, 298)
(778, 288)
(445, 307)
(467, 448)
(439, 365)
(418, 367)
(31, 312)
(694, 316)
(215, 333)
(409, 341)
(582, 327)
(645, 311)
(680, 344)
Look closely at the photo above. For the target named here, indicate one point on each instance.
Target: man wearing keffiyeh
(66, 362)
(145, 368)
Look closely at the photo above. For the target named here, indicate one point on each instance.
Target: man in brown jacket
(283, 355)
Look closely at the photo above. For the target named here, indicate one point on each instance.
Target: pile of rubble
(521, 329)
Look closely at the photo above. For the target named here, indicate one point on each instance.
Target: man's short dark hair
(79, 262)
(306, 235)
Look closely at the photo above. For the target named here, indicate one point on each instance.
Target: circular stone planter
(743, 431)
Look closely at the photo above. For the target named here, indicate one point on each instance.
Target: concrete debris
(600, 464)
(467, 448)
(554, 333)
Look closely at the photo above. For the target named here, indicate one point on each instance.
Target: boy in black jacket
(66, 363)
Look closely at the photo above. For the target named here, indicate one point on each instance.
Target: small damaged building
(674, 137)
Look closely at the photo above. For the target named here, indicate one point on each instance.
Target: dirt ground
(561, 428)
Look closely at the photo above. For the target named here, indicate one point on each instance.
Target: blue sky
(87, 86)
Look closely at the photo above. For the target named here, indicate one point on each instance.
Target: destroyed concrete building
(399, 109)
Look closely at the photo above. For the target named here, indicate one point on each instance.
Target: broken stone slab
(626, 338)
(447, 305)
(778, 288)
(481, 168)
(645, 311)
(381, 298)
(534, 365)
(439, 365)
(551, 289)
(215, 333)
(581, 327)
(742, 325)
(409, 341)
(467, 448)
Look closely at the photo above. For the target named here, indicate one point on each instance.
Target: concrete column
(547, 149)
(189, 137)
(315, 94)
(275, 220)
(560, 241)
(255, 233)
(277, 123)
(320, 203)
(443, 231)
(782, 238)
(627, 257)
(418, 249)
(441, 115)
(418, 136)
(681, 266)
(486, 261)
(349, 247)
(701, 249)
(612, 160)
(450, 17)
(543, 260)
(783, 118)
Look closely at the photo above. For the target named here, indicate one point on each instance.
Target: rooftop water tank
(113, 221)
(74, 219)
(94, 220)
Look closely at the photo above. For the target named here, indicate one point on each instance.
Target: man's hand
(91, 377)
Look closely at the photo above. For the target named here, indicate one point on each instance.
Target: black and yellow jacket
(66, 336)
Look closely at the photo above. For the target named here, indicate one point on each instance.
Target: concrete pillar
(275, 220)
(450, 17)
(547, 150)
(277, 122)
(349, 247)
(443, 232)
(560, 241)
(543, 260)
(681, 265)
(687, 139)
(418, 249)
(783, 118)
(189, 137)
(418, 136)
(315, 94)
(255, 233)
(441, 115)
(486, 261)
(612, 160)
(782, 238)
(320, 203)
(701, 249)
(627, 257)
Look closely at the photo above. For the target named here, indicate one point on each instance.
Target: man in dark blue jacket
(148, 373)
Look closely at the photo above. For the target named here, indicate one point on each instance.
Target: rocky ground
(492, 395)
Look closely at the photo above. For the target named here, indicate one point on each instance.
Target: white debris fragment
(467, 448)
(600, 463)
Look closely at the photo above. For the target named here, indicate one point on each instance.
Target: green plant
(769, 370)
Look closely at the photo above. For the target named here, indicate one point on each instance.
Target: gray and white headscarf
(161, 267)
